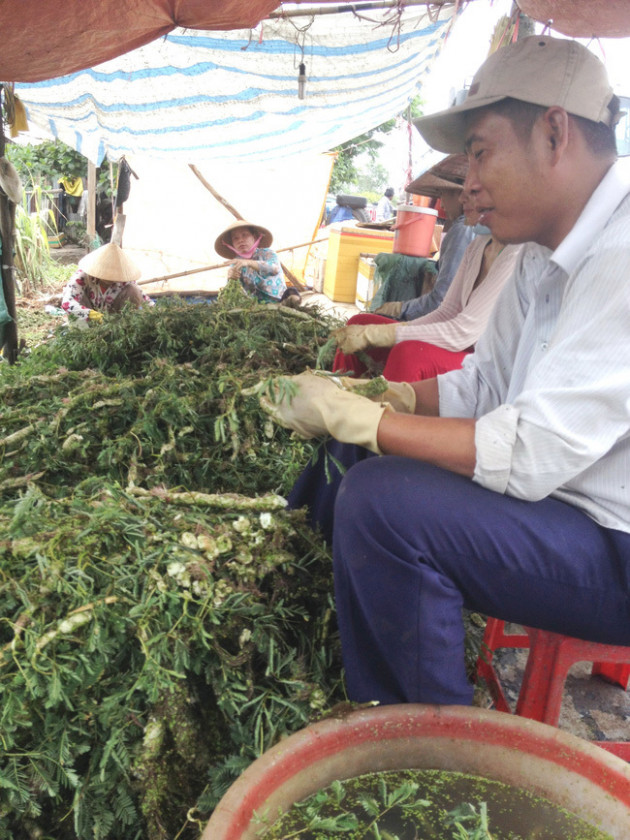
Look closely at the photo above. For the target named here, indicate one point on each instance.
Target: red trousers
(407, 361)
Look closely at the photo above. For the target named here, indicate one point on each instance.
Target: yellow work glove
(400, 395)
(95, 315)
(390, 310)
(355, 337)
(314, 406)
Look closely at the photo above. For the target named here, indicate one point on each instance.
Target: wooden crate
(366, 288)
(345, 245)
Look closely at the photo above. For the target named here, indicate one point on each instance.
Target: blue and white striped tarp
(229, 96)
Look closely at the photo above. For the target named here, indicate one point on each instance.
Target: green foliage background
(44, 163)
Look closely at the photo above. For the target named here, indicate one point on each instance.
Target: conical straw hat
(110, 262)
(452, 168)
(429, 184)
(447, 174)
(220, 246)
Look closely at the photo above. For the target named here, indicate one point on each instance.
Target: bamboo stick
(315, 11)
(223, 264)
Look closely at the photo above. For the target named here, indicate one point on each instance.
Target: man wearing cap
(385, 208)
(505, 488)
(253, 262)
(104, 282)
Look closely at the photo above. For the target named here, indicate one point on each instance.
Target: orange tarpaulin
(582, 18)
(42, 39)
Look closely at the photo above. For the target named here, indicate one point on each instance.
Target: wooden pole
(234, 212)
(7, 221)
(118, 229)
(223, 264)
(91, 207)
(357, 8)
(217, 195)
(9, 346)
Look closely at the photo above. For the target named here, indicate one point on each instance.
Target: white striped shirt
(463, 314)
(549, 382)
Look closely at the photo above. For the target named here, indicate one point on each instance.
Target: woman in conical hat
(254, 263)
(104, 282)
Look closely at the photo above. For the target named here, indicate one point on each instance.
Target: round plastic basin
(564, 769)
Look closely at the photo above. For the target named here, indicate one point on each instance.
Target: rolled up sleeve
(495, 436)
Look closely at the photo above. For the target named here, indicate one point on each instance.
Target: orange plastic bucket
(414, 230)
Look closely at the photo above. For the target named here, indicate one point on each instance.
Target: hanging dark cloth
(123, 186)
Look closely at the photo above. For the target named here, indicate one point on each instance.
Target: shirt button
(544, 345)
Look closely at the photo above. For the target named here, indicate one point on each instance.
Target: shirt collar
(614, 186)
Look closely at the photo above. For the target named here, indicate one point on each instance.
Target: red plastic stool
(548, 662)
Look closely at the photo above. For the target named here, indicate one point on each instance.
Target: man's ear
(555, 127)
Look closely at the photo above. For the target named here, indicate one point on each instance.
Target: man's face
(506, 179)
(468, 205)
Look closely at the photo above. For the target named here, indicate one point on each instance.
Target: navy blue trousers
(413, 544)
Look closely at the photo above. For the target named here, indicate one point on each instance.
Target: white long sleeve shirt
(549, 382)
(463, 314)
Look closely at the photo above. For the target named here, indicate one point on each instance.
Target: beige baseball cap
(540, 70)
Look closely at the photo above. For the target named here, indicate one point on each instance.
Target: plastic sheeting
(233, 96)
(41, 40)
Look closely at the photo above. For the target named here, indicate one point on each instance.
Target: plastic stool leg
(613, 673)
(495, 637)
(546, 670)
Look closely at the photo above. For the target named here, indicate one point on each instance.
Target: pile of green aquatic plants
(164, 617)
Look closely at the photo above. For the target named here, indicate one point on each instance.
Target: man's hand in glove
(392, 309)
(95, 315)
(400, 395)
(320, 406)
(355, 337)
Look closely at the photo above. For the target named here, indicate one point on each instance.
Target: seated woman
(256, 265)
(439, 341)
(104, 282)
(463, 228)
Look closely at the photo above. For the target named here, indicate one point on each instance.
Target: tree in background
(44, 163)
(345, 175)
